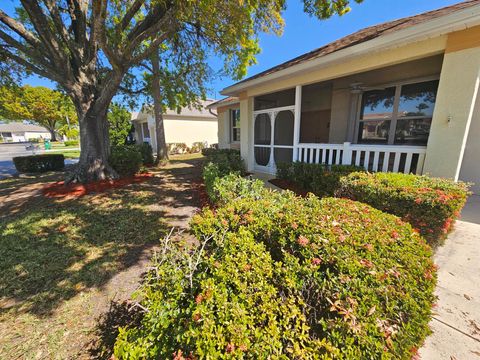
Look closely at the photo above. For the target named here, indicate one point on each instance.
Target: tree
(88, 46)
(44, 106)
(119, 124)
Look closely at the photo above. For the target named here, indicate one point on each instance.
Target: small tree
(119, 124)
(44, 106)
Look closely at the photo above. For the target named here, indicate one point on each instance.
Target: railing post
(296, 121)
(347, 154)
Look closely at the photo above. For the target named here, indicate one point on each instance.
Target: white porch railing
(395, 158)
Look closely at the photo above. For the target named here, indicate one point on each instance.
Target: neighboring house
(189, 126)
(20, 132)
(400, 96)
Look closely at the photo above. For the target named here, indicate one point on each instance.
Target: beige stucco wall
(246, 136)
(453, 113)
(224, 128)
(185, 131)
(470, 170)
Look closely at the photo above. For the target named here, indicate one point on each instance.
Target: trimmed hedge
(431, 205)
(147, 153)
(71, 143)
(366, 277)
(227, 307)
(39, 163)
(126, 160)
(319, 179)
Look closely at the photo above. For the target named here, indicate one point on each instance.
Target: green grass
(71, 154)
(55, 255)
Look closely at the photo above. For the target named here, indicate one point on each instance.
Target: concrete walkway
(456, 321)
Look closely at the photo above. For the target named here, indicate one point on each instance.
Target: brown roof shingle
(366, 34)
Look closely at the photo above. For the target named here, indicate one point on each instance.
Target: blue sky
(303, 33)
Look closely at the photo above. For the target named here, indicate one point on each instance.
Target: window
(399, 115)
(145, 130)
(235, 125)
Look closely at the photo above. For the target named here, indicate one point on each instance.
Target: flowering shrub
(431, 205)
(321, 180)
(221, 301)
(365, 277)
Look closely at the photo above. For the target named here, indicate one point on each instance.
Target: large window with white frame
(398, 114)
(235, 125)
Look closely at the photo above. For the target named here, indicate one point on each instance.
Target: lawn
(62, 261)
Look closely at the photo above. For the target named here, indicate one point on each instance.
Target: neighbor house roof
(231, 100)
(186, 112)
(363, 36)
(21, 127)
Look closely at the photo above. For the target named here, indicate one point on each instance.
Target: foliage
(322, 180)
(44, 106)
(177, 148)
(366, 278)
(39, 163)
(220, 163)
(119, 124)
(221, 304)
(278, 276)
(147, 153)
(431, 205)
(126, 159)
(71, 142)
(198, 146)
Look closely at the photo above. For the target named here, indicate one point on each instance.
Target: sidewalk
(456, 320)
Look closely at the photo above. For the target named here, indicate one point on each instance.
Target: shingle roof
(228, 100)
(21, 127)
(366, 34)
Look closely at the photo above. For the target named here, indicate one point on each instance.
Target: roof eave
(459, 20)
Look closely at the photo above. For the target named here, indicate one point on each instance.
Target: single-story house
(188, 126)
(20, 132)
(401, 96)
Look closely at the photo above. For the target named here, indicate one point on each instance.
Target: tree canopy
(119, 124)
(41, 105)
(89, 46)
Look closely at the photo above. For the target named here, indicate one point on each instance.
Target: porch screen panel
(284, 128)
(316, 113)
(263, 130)
(275, 100)
(282, 155)
(415, 112)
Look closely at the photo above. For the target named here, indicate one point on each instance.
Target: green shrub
(228, 306)
(321, 180)
(431, 205)
(147, 153)
(366, 277)
(197, 147)
(39, 163)
(222, 190)
(221, 163)
(71, 142)
(125, 159)
(177, 148)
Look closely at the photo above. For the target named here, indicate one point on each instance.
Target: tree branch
(131, 13)
(19, 29)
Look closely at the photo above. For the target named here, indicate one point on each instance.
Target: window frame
(394, 119)
(232, 127)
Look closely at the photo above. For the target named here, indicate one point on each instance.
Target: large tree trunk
(162, 150)
(95, 148)
(94, 138)
(53, 136)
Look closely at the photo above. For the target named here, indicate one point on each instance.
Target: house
(20, 132)
(401, 96)
(188, 126)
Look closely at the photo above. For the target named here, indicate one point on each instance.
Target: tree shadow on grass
(57, 248)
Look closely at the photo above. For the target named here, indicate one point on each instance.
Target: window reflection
(418, 99)
(374, 131)
(413, 131)
(378, 104)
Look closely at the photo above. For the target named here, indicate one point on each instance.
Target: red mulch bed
(201, 194)
(59, 189)
(288, 185)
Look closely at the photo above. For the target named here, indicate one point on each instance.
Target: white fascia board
(459, 20)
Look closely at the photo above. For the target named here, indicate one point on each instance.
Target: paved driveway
(456, 321)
